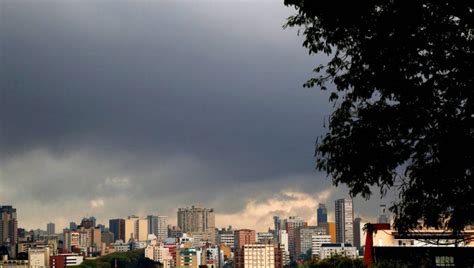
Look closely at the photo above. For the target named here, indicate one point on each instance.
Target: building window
(444, 261)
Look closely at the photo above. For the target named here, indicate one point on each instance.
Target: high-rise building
(50, 228)
(265, 237)
(258, 256)
(71, 239)
(303, 238)
(331, 231)
(72, 226)
(157, 225)
(96, 235)
(317, 241)
(383, 214)
(359, 238)
(226, 237)
(277, 223)
(283, 238)
(152, 224)
(8, 225)
(162, 231)
(197, 220)
(322, 215)
(344, 221)
(136, 228)
(291, 225)
(117, 227)
(243, 237)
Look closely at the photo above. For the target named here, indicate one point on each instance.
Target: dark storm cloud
(178, 101)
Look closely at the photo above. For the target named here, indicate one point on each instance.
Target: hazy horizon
(110, 109)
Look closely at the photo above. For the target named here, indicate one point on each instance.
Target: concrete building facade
(117, 227)
(291, 225)
(8, 225)
(136, 228)
(226, 237)
(322, 215)
(304, 238)
(359, 235)
(197, 220)
(38, 257)
(327, 250)
(243, 237)
(317, 241)
(258, 256)
(162, 229)
(50, 228)
(344, 221)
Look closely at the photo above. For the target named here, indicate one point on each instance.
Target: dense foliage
(130, 259)
(402, 73)
(339, 261)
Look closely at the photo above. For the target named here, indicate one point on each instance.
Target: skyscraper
(322, 215)
(136, 228)
(383, 214)
(277, 224)
(152, 224)
(117, 227)
(197, 220)
(359, 239)
(50, 228)
(291, 225)
(157, 225)
(303, 238)
(8, 225)
(344, 221)
(162, 233)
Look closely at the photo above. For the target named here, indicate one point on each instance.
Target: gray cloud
(113, 107)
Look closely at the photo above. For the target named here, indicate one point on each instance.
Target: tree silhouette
(403, 114)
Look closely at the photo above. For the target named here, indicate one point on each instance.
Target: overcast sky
(113, 108)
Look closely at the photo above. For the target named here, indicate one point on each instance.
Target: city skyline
(114, 109)
(261, 225)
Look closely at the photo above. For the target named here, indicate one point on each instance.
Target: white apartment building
(283, 238)
(259, 256)
(316, 242)
(120, 246)
(157, 252)
(38, 257)
(327, 250)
